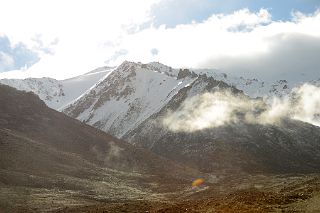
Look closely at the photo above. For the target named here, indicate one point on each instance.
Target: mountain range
(116, 100)
(145, 131)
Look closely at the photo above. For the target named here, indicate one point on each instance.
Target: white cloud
(91, 33)
(210, 110)
(245, 43)
(188, 45)
(307, 108)
(82, 27)
(6, 60)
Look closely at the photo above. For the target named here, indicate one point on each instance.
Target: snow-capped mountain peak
(128, 96)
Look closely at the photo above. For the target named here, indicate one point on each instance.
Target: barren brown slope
(45, 153)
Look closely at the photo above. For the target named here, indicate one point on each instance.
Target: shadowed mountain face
(45, 153)
(289, 146)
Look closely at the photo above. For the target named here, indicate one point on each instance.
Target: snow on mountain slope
(56, 94)
(117, 100)
(133, 92)
(49, 90)
(128, 96)
(258, 87)
(77, 86)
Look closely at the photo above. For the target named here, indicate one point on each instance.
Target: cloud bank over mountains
(211, 110)
(243, 42)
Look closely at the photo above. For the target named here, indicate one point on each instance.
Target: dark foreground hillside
(48, 161)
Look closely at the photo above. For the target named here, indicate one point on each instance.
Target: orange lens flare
(198, 182)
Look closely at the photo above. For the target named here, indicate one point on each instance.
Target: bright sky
(61, 39)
